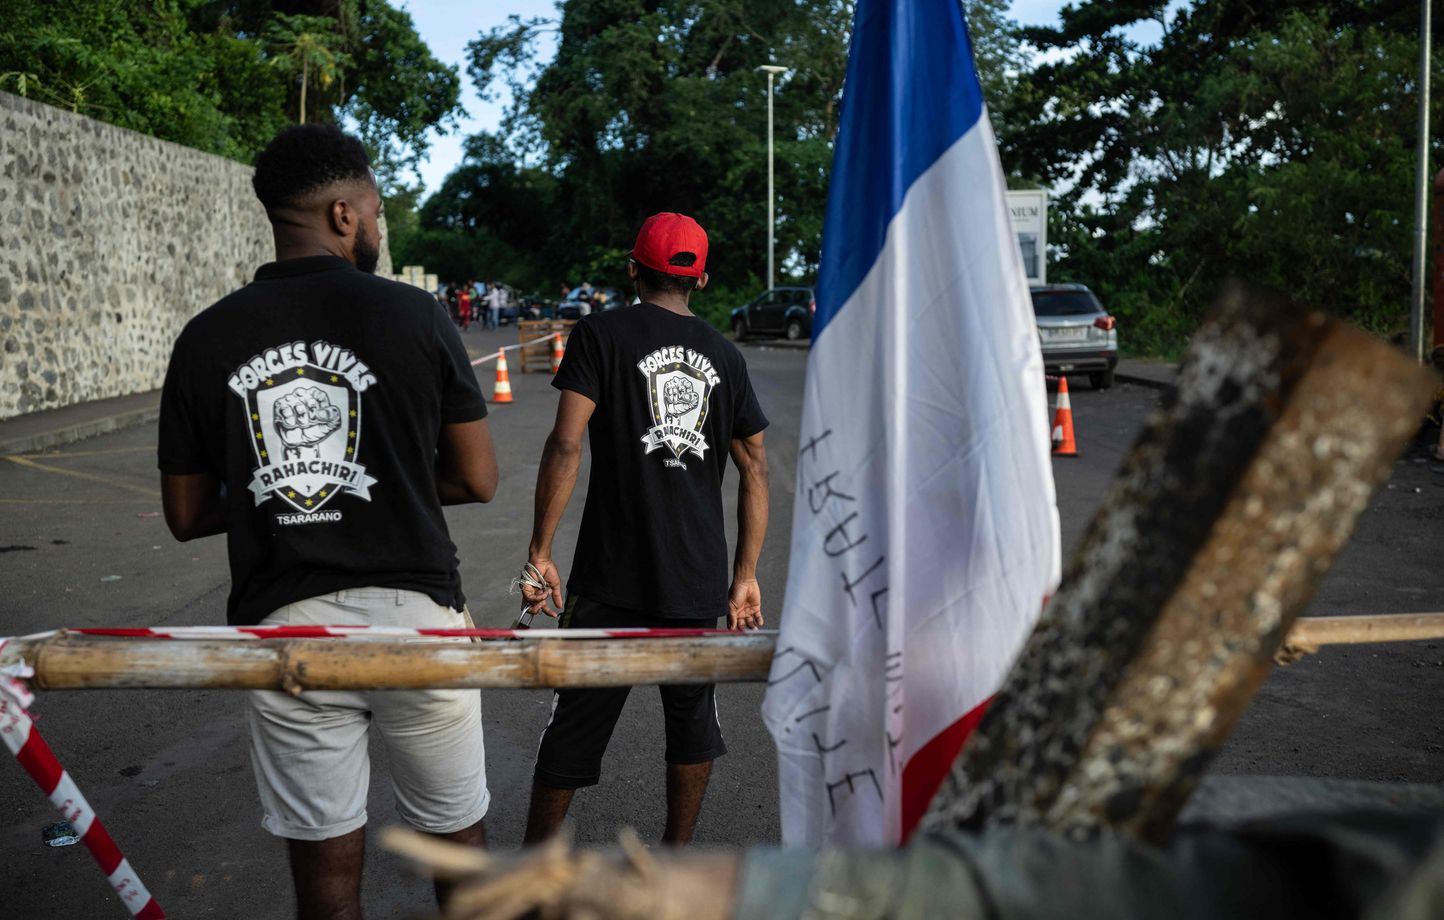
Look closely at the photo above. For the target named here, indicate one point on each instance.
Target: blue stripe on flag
(911, 92)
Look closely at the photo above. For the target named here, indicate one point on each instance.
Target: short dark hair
(663, 283)
(305, 158)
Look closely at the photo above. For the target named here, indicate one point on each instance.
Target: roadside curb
(1151, 382)
(78, 430)
(794, 345)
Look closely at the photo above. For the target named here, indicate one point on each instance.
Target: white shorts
(310, 752)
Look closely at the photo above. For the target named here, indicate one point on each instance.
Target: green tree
(307, 45)
(655, 105)
(998, 52)
(140, 66)
(491, 218)
(1274, 142)
(218, 74)
(396, 91)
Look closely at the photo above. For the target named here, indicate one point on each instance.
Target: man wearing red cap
(664, 399)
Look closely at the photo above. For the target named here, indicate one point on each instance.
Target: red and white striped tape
(24, 741)
(379, 632)
(20, 736)
(492, 357)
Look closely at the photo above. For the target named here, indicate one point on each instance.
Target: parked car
(534, 306)
(571, 308)
(1077, 334)
(784, 311)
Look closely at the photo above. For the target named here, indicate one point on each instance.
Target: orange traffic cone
(502, 393)
(556, 352)
(1063, 443)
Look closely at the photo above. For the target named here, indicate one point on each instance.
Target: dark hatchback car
(784, 311)
(571, 307)
(1077, 334)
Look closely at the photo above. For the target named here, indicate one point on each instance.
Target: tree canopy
(651, 105)
(1270, 141)
(225, 75)
(1182, 143)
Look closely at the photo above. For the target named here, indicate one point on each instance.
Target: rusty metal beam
(1232, 505)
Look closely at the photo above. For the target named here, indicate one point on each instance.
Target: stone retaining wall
(109, 241)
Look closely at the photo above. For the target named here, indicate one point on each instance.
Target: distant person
(463, 307)
(453, 307)
(329, 521)
(652, 551)
(493, 306)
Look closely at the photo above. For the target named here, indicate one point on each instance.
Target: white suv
(1077, 334)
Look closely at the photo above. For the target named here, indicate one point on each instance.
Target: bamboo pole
(1312, 632)
(71, 662)
(67, 662)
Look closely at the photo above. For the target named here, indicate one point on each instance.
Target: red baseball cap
(665, 241)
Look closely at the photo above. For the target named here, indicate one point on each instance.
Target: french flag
(925, 528)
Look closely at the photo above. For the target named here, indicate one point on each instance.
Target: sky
(447, 25)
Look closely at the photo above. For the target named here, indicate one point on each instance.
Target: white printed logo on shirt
(679, 387)
(303, 409)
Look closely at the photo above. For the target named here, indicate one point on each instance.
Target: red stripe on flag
(151, 911)
(38, 760)
(98, 841)
(925, 771)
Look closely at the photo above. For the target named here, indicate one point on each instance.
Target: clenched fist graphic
(679, 397)
(305, 417)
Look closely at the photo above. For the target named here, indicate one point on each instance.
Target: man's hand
(744, 606)
(536, 598)
(555, 478)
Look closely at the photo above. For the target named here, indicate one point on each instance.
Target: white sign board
(1029, 209)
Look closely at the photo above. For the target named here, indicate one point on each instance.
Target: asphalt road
(81, 545)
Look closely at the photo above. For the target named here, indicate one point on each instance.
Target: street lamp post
(772, 70)
(1421, 192)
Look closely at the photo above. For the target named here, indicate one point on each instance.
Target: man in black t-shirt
(664, 399)
(320, 417)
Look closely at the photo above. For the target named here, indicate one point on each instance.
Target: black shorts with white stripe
(575, 739)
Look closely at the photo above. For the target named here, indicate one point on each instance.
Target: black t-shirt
(671, 395)
(317, 394)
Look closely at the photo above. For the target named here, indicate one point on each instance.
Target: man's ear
(702, 281)
(631, 271)
(342, 217)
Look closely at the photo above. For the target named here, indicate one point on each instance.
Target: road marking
(73, 501)
(89, 453)
(106, 480)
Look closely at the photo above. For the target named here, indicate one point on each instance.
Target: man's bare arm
(192, 504)
(744, 601)
(555, 480)
(465, 464)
